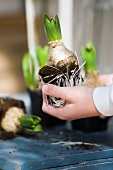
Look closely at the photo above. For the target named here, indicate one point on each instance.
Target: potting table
(59, 149)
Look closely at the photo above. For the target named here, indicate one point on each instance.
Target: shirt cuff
(103, 99)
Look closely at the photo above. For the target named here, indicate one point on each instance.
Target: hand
(106, 79)
(79, 102)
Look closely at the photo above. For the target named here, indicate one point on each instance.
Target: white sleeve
(103, 99)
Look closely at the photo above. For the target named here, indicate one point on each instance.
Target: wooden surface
(13, 44)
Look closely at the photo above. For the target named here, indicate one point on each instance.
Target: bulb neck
(53, 44)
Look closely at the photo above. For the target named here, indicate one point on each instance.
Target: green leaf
(28, 67)
(42, 54)
(50, 32)
(36, 120)
(89, 55)
(26, 121)
(29, 121)
(38, 128)
(52, 28)
(45, 26)
(58, 29)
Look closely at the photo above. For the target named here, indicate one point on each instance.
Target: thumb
(56, 91)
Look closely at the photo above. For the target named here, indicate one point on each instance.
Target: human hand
(79, 102)
(106, 79)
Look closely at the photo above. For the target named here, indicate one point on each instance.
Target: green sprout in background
(90, 68)
(89, 55)
(42, 54)
(29, 65)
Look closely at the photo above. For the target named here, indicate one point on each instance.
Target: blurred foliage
(29, 65)
(42, 54)
(88, 54)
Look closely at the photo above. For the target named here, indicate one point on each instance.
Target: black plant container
(93, 124)
(36, 104)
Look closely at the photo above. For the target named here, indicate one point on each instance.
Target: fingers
(60, 112)
(56, 112)
(56, 91)
(105, 79)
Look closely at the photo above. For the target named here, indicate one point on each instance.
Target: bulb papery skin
(62, 69)
(58, 52)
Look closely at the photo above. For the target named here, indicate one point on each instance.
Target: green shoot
(42, 54)
(52, 28)
(89, 55)
(28, 67)
(30, 123)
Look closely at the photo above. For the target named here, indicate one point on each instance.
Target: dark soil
(6, 135)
